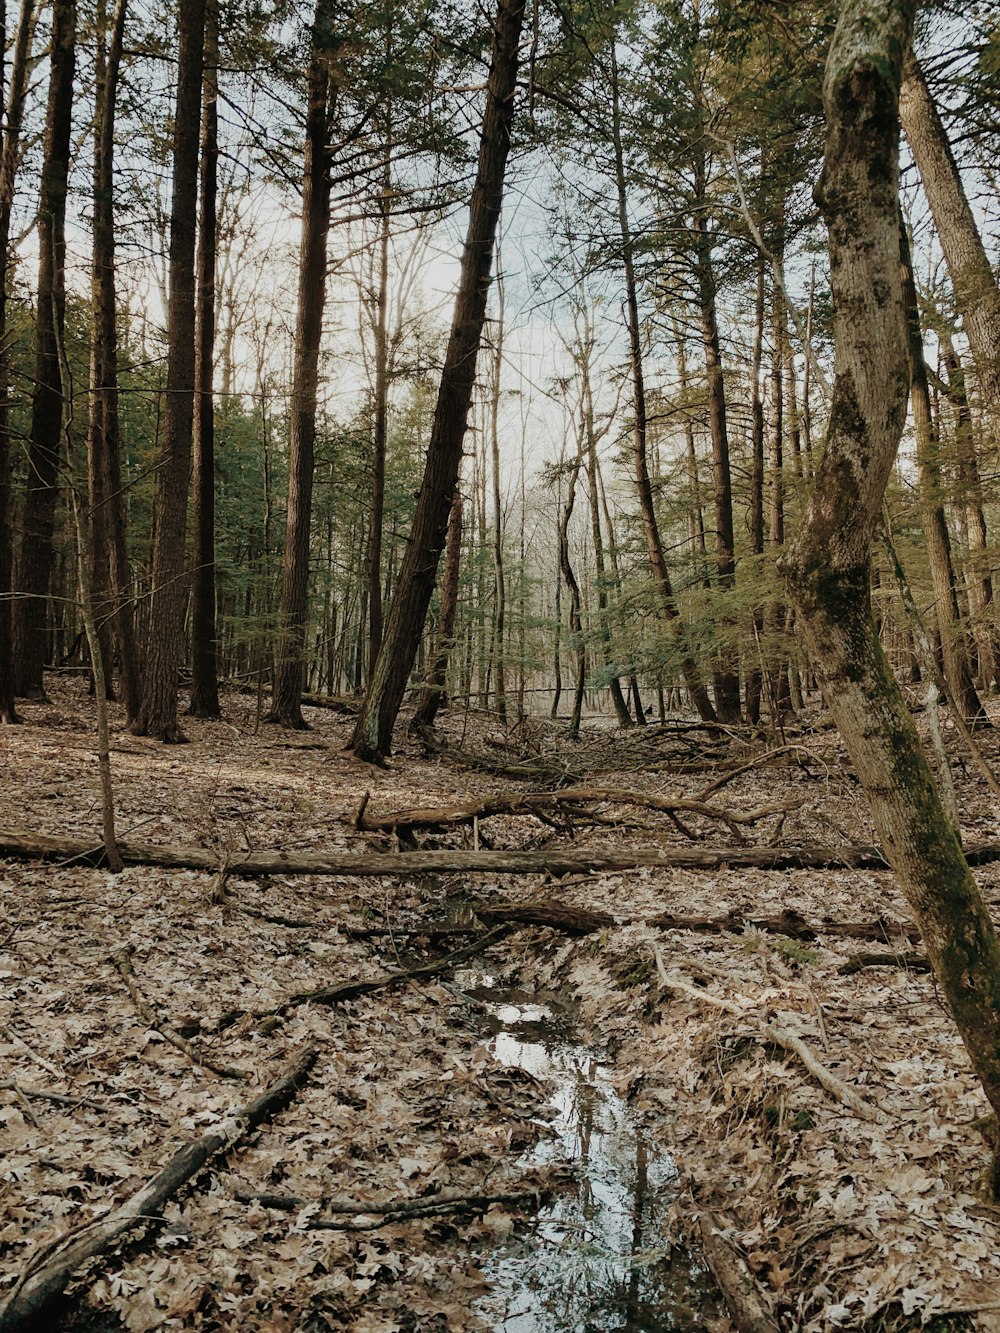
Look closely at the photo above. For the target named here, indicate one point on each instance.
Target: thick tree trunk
(204, 665)
(404, 625)
(35, 559)
(977, 295)
(955, 660)
(168, 593)
(286, 701)
(700, 697)
(9, 155)
(828, 566)
(110, 580)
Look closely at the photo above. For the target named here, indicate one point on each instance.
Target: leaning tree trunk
(372, 738)
(977, 295)
(36, 556)
(109, 577)
(204, 658)
(168, 592)
(828, 565)
(286, 700)
(9, 154)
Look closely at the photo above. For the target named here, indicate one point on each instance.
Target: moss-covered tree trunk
(828, 565)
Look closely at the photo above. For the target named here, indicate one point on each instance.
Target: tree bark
(204, 664)
(168, 591)
(828, 566)
(755, 676)
(286, 700)
(432, 695)
(9, 154)
(970, 503)
(372, 739)
(975, 288)
(36, 556)
(110, 580)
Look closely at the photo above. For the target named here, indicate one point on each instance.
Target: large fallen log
(45, 1277)
(568, 799)
(787, 923)
(27, 845)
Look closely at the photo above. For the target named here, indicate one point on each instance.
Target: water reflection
(594, 1259)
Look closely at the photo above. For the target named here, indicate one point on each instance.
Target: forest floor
(847, 1217)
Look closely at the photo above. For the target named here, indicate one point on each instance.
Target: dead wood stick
(362, 1216)
(913, 962)
(249, 865)
(123, 962)
(350, 990)
(739, 1287)
(45, 1276)
(31, 1053)
(759, 761)
(43, 1095)
(430, 932)
(837, 1088)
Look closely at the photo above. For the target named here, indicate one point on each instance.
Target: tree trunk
(828, 566)
(955, 661)
(755, 676)
(575, 616)
(35, 560)
(110, 578)
(977, 295)
(433, 693)
(372, 738)
(289, 666)
(978, 572)
(499, 579)
(9, 155)
(727, 678)
(654, 543)
(381, 414)
(204, 664)
(164, 649)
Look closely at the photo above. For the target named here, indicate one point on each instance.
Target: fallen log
(744, 1298)
(555, 915)
(567, 799)
(45, 1276)
(28, 845)
(912, 962)
(788, 923)
(361, 1216)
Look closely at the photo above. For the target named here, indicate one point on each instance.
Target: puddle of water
(595, 1258)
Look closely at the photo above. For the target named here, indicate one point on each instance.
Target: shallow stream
(595, 1258)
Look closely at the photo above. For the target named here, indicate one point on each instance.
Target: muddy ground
(847, 1218)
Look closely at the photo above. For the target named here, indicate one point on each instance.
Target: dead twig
(863, 1109)
(123, 962)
